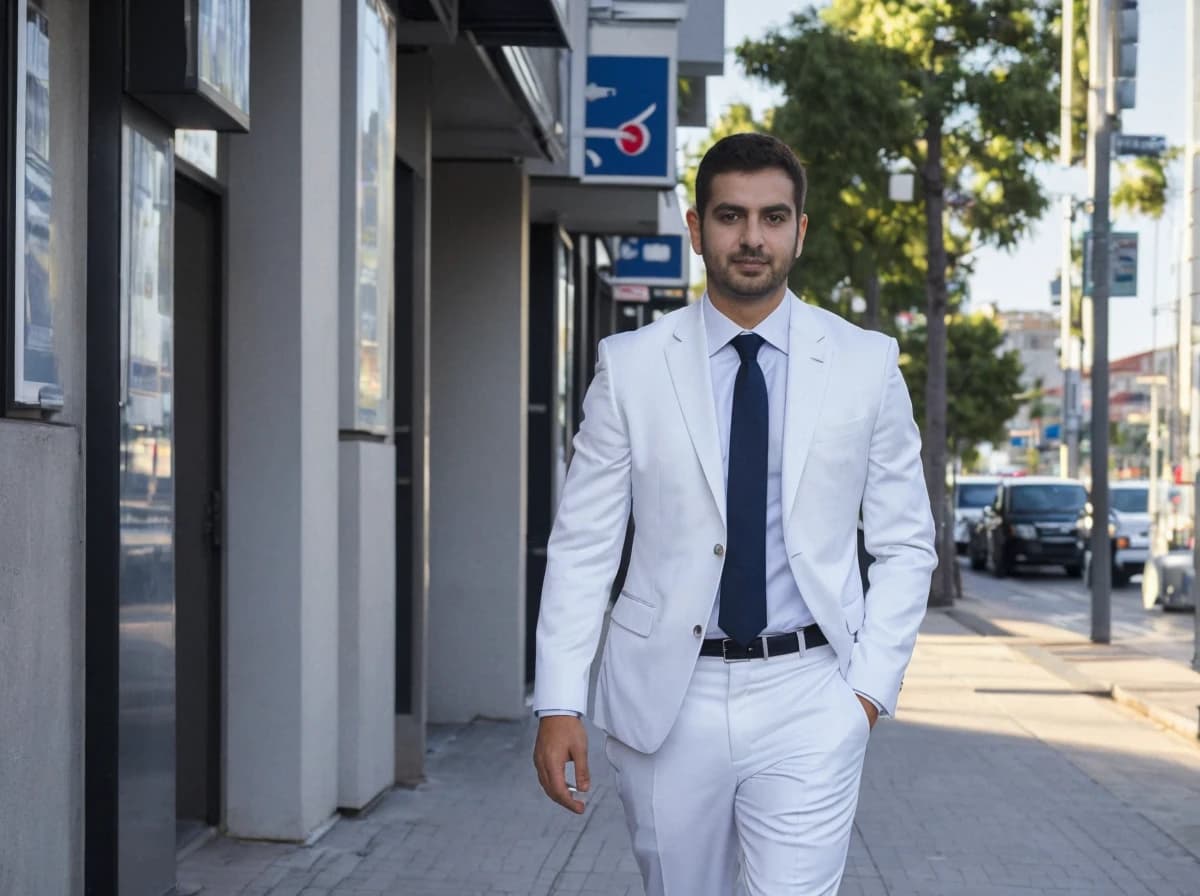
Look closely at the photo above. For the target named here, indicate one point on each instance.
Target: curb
(1081, 683)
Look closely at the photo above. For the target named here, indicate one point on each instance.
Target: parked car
(1128, 529)
(971, 495)
(1031, 522)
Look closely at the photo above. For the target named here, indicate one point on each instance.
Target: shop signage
(628, 101)
(652, 260)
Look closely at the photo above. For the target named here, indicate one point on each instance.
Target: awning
(515, 23)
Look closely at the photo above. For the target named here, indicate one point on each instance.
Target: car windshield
(1130, 500)
(1065, 498)
(976, 494)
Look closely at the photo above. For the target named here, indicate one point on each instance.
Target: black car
(1030, 523)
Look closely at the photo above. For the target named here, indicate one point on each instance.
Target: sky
(1021, 278)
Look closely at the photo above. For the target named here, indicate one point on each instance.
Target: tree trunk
(872, 319)
(941, 590)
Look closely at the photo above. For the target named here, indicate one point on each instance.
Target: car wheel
(1120, 578)
(1075, 570)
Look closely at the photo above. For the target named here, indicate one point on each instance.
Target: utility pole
(1068, 451)
(1100, 120)
(1189, 282)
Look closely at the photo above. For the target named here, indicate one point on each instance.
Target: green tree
(1144, 184)
(962, 92)
(983, 382)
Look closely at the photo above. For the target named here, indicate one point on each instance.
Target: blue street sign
(626, 124)
(650, 260)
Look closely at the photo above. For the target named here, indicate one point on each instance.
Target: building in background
(1036, 429)
(297, 328)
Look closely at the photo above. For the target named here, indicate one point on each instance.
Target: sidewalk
(994, 780)
(1163, 689)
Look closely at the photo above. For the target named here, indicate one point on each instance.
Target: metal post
(1068, 451)
(1100, 131)
(1194, 589)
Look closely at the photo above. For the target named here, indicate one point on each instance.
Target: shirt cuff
(874, 702)
(543, 713)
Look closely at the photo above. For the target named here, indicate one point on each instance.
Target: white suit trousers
(755, 788)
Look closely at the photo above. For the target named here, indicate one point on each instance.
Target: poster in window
(37, 372)
(374, 210)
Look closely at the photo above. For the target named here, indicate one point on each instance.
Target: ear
(800, 234)
(693, 223)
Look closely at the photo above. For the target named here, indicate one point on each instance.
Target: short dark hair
(749, 153)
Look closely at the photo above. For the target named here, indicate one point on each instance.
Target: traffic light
(1126, 44)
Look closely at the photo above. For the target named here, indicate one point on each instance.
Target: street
(995, 779)
(1046, 594)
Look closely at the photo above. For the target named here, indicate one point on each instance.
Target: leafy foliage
(983, 384)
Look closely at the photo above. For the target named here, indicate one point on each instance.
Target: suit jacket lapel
(808, 376)
(687, 361)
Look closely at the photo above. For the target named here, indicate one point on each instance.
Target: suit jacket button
(719, 550)
(697, 631)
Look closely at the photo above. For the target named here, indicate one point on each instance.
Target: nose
(752, 236)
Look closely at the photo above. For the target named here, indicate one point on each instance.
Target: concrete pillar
(367, 634)
(479, 358)
(281, 682)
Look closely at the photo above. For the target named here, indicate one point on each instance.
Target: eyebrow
(741, 210)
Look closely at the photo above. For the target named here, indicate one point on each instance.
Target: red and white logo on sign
(632, 138)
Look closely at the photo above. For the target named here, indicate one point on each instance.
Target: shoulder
(647, 341)
(850, 339)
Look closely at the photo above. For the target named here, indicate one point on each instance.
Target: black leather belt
(761, 648)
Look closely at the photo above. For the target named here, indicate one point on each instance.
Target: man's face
(751, 235)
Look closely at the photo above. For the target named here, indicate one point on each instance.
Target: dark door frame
(216, 191)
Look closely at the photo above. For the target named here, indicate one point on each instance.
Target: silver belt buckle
(725, 653)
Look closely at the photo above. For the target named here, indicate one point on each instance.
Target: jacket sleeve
(899, 534)
(585, 548)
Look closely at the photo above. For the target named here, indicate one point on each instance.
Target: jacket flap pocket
(632, 614)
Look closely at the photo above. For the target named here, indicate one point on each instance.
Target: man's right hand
(561, 739)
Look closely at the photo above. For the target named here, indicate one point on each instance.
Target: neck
(747, 314)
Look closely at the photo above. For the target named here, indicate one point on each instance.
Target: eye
(727, 217)
(776, 218)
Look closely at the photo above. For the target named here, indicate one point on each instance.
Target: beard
(746, 286)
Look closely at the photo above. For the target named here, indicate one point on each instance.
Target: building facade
(297, 329)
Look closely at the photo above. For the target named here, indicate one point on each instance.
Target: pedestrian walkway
(996, 779)
(1131, 673)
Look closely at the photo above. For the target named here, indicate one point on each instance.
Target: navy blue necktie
(743, 612)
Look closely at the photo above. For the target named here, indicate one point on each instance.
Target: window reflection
(375, 162)
(147, 474)
(224, 49)
(39, 363)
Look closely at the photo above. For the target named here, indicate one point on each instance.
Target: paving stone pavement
(995, 779)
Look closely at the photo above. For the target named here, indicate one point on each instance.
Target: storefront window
(199, 149)
(36, 375)
(224, 49)
(375, 153)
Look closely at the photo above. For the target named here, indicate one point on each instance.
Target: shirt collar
(719, 329)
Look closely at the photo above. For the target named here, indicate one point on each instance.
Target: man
(743, 669)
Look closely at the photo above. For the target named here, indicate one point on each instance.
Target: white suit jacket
(649, 444)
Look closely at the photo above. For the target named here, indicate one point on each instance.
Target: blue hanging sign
(650, 260)
(627, 128)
